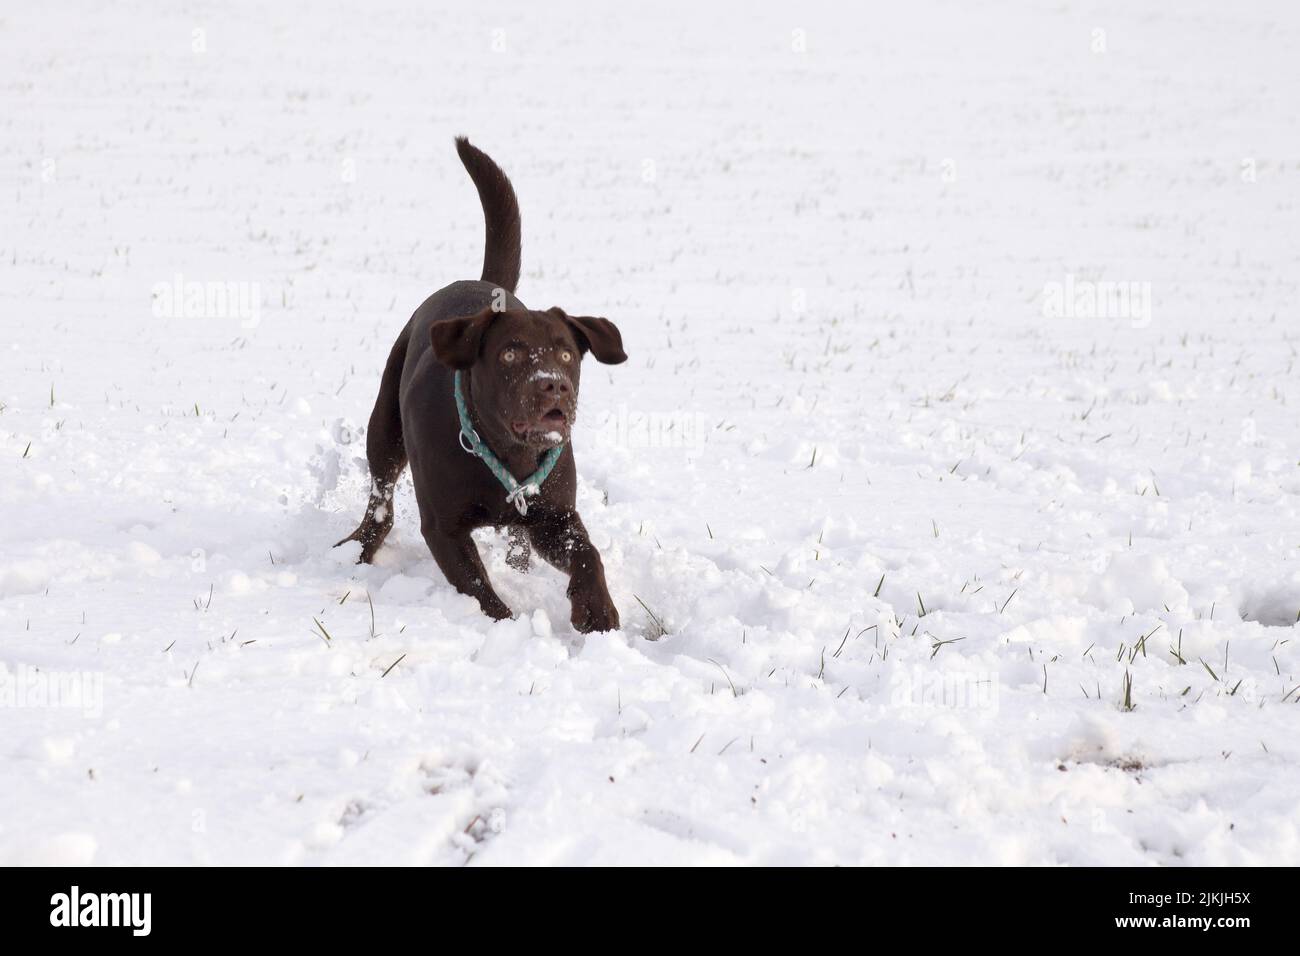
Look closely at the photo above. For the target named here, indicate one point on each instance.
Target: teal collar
(517, 492)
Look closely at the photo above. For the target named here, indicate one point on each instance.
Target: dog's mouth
(551, 428)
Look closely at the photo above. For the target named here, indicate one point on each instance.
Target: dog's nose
(553, 387)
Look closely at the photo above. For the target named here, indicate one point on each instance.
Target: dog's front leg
(458, 557)
(562, 540)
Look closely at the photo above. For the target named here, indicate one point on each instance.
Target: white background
(827, 232)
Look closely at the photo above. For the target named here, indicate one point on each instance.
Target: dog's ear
(600, 337)
(456, 341)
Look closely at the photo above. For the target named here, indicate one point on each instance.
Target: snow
(961, 398)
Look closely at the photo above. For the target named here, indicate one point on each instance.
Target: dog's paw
(370, 535)
(593, 610)
(495, 608)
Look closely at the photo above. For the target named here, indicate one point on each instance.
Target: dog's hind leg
(386, 454)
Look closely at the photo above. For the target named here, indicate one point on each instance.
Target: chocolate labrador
(479, 396)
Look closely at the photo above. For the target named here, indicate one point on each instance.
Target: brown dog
(479, 396)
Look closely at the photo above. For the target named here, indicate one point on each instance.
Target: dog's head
(524, 368)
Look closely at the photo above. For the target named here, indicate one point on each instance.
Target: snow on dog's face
(523, 369)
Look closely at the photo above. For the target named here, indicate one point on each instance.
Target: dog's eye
(509, 356)
(566, 356)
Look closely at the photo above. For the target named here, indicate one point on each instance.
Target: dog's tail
(500, 214)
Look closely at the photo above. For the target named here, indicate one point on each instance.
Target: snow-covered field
(960, 558)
